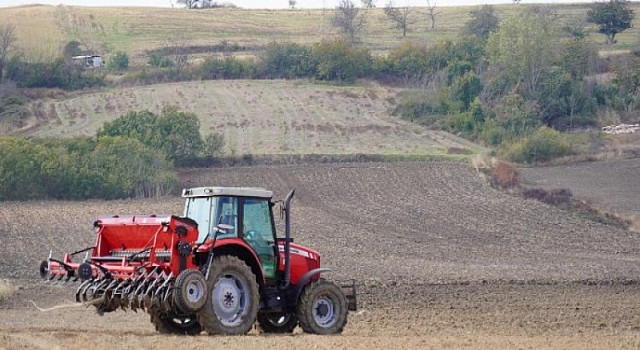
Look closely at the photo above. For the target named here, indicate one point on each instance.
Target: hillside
(259, 117)
(44, 30)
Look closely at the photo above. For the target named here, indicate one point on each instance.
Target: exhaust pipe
(287, 238)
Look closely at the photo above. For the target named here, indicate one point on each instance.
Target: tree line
(135, 155)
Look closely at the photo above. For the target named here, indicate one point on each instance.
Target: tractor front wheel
(322, 308)
(277, 322)
(233, 302)
(172, 323)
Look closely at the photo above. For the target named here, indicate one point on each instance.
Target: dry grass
(6, 290)
(262, 117)
(44, 29)
(501, 174)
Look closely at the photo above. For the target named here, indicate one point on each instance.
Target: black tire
(172, 323)
(190, 291)
(233, 300)
(322, 308)
(277, 322)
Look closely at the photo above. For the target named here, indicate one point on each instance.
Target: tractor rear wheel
(277, 322)
(322, 308)
(172, 323)
(233, 300)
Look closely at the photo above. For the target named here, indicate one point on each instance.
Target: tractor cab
(245, 212)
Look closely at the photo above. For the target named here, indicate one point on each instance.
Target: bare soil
(611, 185)
(441, 260)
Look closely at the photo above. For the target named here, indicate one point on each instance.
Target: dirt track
(442, 261)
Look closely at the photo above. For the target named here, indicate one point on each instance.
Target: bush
(175, 133)
(214, 145)
(56, 74)
(109, 168)
(227, 68)
(419, 107)
(159, 61)
(504, 175)
(543, 145)
(340, 60)
(407, 61)
(118, 62)
(288, 61)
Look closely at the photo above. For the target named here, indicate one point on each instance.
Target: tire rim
(195, 291)
(229, 299)
(324, 312)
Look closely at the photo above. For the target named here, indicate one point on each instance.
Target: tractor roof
(227, 191)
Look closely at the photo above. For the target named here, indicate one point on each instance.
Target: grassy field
(43, 30)
(260, 117)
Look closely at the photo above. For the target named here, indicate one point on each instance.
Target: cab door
(259, 232)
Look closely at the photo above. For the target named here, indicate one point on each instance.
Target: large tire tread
(164, 324)
(305, 307)
(265, 325)
(207, 317)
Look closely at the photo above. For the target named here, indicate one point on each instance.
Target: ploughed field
(611, 185)
(441, 260)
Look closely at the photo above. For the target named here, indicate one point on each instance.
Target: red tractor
(219, 268)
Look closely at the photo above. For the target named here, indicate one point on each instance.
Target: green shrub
(79, 168)
(214, 145)
(407, 61)
(340, 60)
(118, 62)
(543, 145)
(491, 132)
(174, 132)
(418, 107)
(227, 68)
(160, 61)
(288, 61)
(55, 74)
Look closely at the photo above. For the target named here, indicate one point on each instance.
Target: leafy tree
(483, 22)
(348, 19)
(7, 39)
(612, 17)
(174, 132)
(399, 16)
(292, 4)
(522, 49)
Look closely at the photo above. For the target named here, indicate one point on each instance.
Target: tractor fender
(305, 279)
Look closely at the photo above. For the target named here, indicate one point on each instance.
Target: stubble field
(259, 117)
(441, 259)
